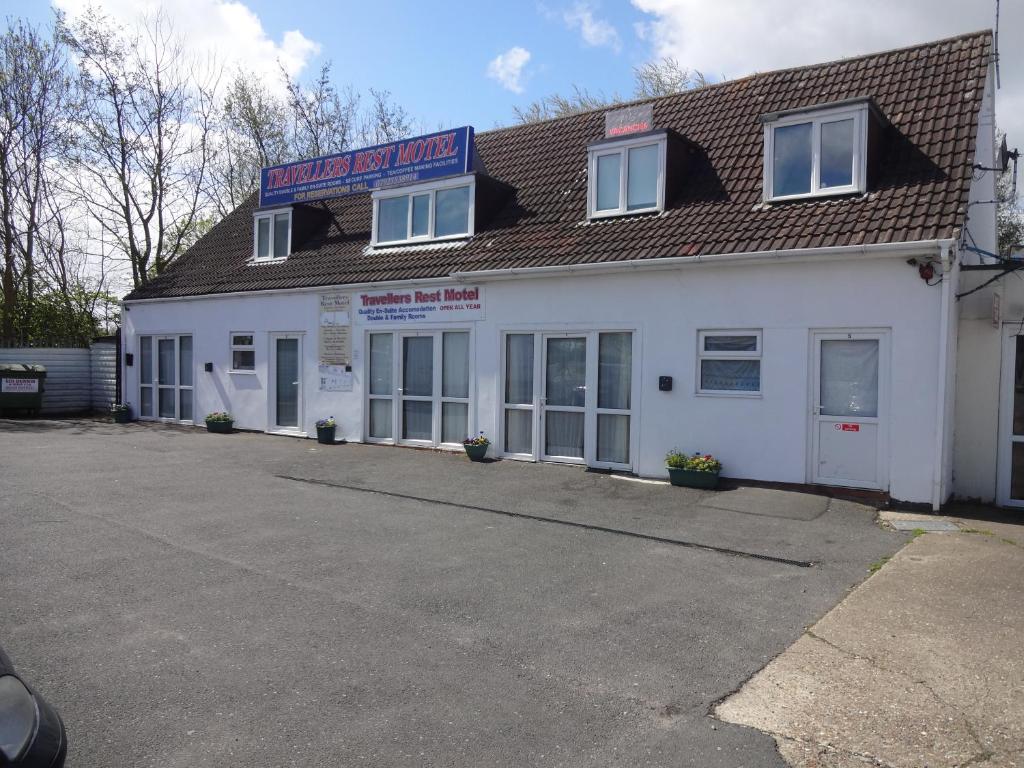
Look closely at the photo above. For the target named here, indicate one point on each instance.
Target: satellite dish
(1005, 156)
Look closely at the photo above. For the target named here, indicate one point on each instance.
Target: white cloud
(227, 29)
(594, 31)
(507, 68)
(735, 38)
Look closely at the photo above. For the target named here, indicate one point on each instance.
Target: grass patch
(917, 532)
(876, 566)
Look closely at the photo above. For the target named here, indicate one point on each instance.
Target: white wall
(979, 346)
(762, 438)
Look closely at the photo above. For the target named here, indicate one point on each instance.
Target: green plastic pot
(325, 435)
(691, 478)
(220, 427)
(475, 452)
(122, 417)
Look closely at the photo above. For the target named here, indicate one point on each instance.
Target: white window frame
(757, 355)
(271, 214)
(621, 147)
(437, 398)
(155, 385)
(432, 189)
(233, 347)
(538, 406)
(816, 118)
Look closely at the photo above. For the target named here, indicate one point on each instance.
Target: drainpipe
(945, 309)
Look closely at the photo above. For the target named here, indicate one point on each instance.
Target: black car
(31, 732)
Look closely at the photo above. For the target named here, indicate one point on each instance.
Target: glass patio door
(563, 404)
(417, 390)
(419, 387)
(165, 377)
(569, 397)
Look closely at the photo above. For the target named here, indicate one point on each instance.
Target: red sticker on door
(848, 427)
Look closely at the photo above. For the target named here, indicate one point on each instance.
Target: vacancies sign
(434, 156)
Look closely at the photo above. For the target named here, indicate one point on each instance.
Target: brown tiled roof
(929, 94)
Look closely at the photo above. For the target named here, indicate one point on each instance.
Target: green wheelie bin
(21, 387)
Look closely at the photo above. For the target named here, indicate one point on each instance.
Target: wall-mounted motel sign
(434, 156)
(419, 305)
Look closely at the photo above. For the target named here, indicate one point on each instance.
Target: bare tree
(251, 134)
(1009, 214)
(386, 121)
(145, 142)
(655, 78)
(324, 118)
(35, 106)
(256, 129)
(660, 78)
(556, 105)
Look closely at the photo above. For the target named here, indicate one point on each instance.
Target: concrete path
(922, 665)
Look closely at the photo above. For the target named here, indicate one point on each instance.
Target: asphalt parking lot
(188, 599)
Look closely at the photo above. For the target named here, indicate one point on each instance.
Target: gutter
(924, 248)
(945, 310)
(928, 248)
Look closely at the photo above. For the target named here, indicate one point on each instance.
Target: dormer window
(814, 153)
(626, 176)
(272, 234)
(441, 210)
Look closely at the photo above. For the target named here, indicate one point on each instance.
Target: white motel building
(796, 271)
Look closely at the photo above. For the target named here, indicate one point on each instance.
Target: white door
(165, 378)
(847, 420)
(418, 373)
(568, 397)
(420, 387)
(564, 399)
(1010, 484)
(286, 365)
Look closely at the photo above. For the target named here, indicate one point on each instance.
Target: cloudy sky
(452, 67)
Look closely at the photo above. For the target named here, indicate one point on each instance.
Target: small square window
(729, 362)
(273, 234)
(243, 353)
(627, 176)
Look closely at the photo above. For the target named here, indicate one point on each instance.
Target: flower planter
(220, 427)
(325, 435)
(475, 452)
(690, 478)
(122, 417)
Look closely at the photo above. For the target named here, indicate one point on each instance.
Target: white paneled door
(848, 410)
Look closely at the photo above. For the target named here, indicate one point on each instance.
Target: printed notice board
(19, 385)
(335, 329)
